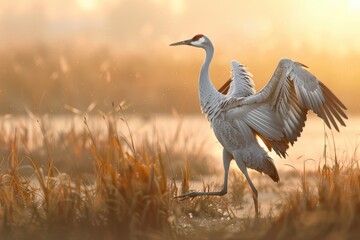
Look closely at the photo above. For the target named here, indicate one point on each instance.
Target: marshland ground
(114, 175)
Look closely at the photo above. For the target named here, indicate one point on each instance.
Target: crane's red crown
(197, 37)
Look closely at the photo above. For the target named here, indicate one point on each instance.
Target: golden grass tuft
(325, 206)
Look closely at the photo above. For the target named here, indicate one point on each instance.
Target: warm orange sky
(324, 24)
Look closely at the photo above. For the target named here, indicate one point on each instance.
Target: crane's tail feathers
(270, 169)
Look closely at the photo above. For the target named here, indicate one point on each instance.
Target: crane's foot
(189, 195)
(196, 194)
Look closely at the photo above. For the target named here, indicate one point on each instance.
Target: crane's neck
(209, 96)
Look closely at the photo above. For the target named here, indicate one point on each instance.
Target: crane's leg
(243, 169)
(227, 157)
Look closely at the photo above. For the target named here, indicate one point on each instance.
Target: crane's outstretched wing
(277, 113)
(240, 83)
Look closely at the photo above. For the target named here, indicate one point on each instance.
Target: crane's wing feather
(224, 89)
(283, 103)
(240, 83)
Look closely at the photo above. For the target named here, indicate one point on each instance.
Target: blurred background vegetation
(80, 52)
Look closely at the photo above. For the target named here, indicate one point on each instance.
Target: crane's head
(198, 40)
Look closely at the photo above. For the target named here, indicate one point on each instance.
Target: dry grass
(129, 196)
(87, 185)
(325, 207)
(127, 192)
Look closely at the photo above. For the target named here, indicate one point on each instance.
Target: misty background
(56, 54)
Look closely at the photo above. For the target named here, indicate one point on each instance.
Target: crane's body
(276, 114)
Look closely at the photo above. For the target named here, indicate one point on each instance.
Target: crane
(276, 114)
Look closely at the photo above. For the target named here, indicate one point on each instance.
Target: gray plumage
(276, 114)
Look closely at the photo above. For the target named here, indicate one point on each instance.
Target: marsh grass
(82, 184)
(129, 196)
(325, 205)
(127, 192)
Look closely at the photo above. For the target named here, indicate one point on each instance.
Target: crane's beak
(185, 42)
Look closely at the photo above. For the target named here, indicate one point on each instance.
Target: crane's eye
(197, 37)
